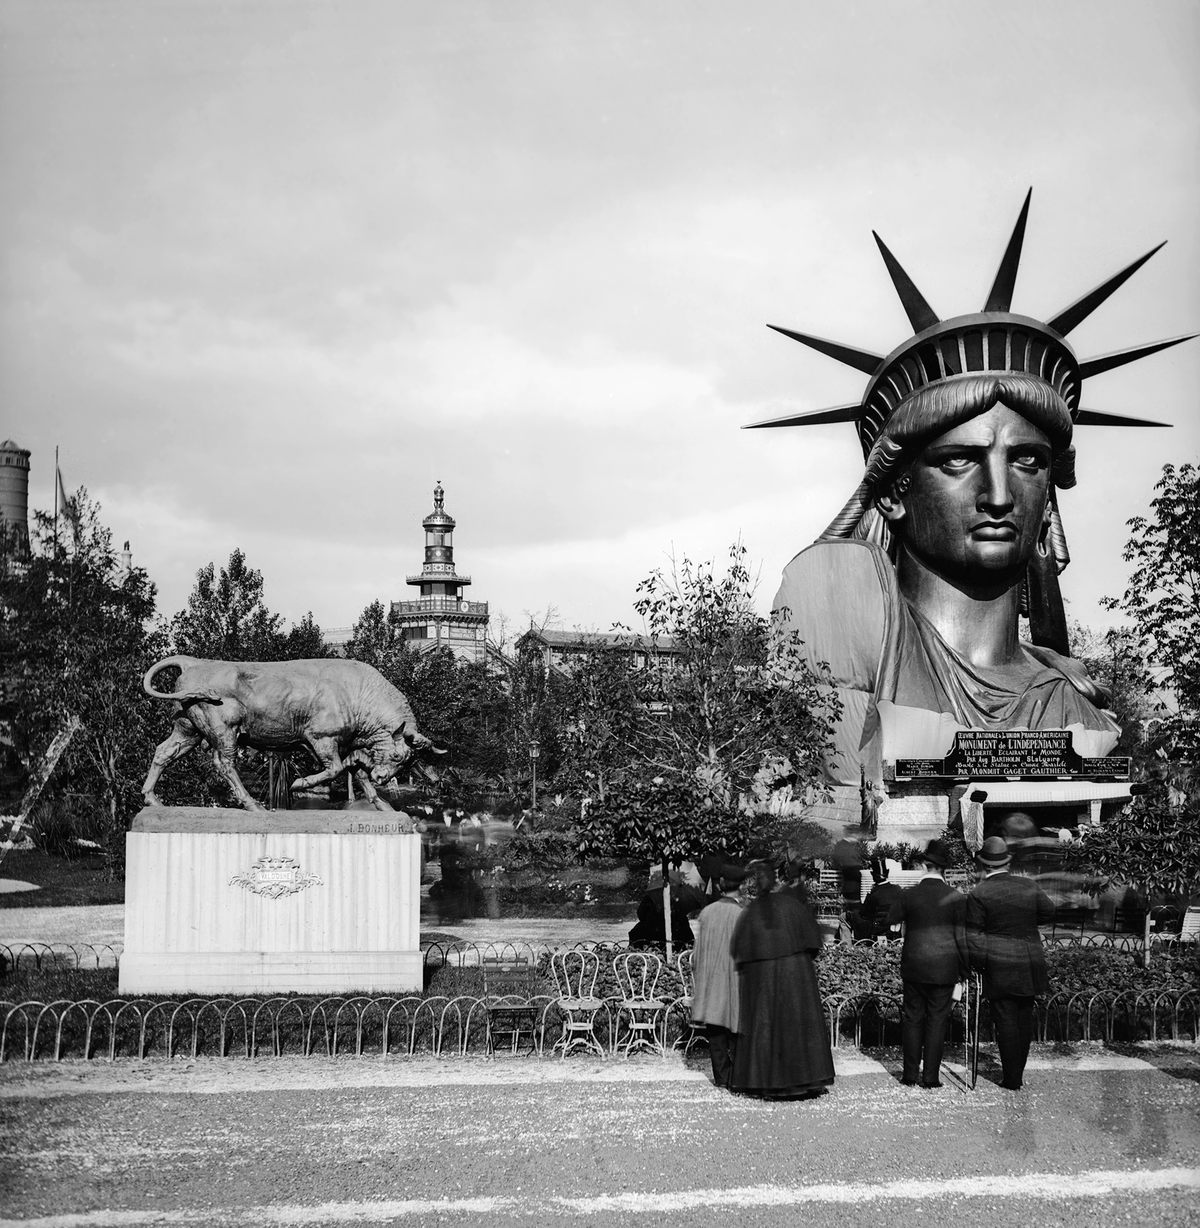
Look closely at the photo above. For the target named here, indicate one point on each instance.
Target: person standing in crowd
(1003, 915)
(715, 998)
(933, 960)
(874, 919)
(782, 1049)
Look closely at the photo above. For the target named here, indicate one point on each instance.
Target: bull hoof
(151, 799)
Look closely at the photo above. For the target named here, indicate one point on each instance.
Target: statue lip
(995, 530)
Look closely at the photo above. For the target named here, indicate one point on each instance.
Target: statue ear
(890, 503)
(890, 506)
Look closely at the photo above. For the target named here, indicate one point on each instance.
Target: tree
(77, 637)
(1163, 594)
(305, 641)
(375, 640)
(226, 617)
(600, 713)
(1116, 661)
(738, 711)
(742, 706)
(1154, 843)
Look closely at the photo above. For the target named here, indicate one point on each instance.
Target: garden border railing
(454, 1023)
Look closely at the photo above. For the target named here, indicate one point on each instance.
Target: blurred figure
(932, 962)
(792, 878)
(874, 918)
(782, 1049)
(715, 998)
(651, 928)
(1003, 915)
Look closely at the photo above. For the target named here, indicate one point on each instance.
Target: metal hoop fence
(449, 1019)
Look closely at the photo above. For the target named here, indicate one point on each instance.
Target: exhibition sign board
(1013, 754)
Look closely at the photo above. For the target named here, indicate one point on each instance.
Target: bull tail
(177, 696)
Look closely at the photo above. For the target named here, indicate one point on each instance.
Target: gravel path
(368, 1142)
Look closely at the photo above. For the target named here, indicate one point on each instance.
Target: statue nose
(996, 494)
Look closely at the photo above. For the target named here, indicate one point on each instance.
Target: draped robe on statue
(904, 690)
(783, 1038)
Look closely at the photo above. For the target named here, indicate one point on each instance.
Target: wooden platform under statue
(306, 901)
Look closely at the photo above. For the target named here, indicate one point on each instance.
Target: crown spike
(1106, 362)
(1078, 311)
(1000, 296)
(860, 360)
(812, 417)
(920, 315)
(1096, 417)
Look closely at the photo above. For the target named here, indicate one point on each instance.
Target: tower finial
(438, 495)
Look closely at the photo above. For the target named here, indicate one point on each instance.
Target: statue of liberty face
(976, 501)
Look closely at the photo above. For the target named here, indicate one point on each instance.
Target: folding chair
(510, 985)
(575, 974)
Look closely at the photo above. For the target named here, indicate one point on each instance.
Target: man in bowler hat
(1003, 915)
(932, 961)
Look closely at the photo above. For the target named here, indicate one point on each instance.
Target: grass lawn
(62, 883)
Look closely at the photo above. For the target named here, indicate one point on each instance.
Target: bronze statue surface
(345, 713)
(914, 593)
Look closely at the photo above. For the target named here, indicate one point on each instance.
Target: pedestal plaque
(316, 901)
(1016, 754)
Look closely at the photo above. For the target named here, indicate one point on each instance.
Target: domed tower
(441, 617)
(14, 493)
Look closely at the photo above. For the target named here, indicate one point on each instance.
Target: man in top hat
(1003, 915)
(932, 961)
(715, 998)
(875, 918)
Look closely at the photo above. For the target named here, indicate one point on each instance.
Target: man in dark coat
(875, 920)
(783, 1039)
(651, 927)
(933, 960)
(1003, 915)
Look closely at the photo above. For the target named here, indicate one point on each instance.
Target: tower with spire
(441, 617)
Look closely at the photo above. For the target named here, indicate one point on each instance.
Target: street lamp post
(534, 751)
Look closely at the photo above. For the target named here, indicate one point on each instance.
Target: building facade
(14, 494)
(441, 617)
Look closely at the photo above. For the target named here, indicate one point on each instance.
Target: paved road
(1096, 1138)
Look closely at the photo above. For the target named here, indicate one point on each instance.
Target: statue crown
(992, 340)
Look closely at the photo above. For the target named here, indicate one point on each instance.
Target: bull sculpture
(345, 713)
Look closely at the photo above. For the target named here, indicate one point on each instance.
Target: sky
(269, 270)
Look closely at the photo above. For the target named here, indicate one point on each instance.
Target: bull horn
(420, 742)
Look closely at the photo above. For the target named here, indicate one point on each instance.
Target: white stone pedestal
(308, 901)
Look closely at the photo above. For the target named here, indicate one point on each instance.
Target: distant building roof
(601, 639)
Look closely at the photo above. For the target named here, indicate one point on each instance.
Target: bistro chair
(639, 1008)
(575, 974)
(689, 1033)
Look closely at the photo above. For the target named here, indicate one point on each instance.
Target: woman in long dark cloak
(783, 1040)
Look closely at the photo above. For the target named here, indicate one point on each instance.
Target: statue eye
(957, 462)
(1031, 461)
